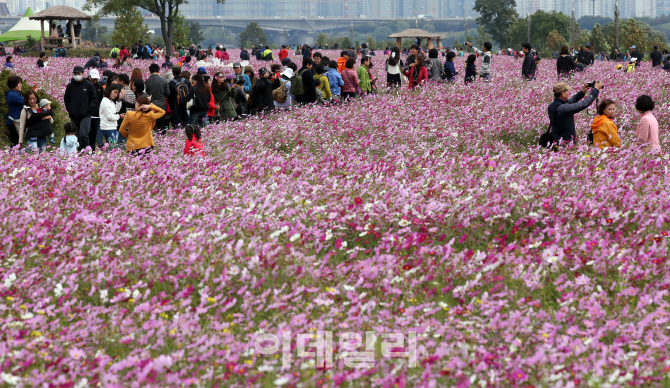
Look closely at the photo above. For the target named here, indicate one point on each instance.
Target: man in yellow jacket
(325, 85)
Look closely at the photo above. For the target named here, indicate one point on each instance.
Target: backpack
(297, 88)
(182, 91)
(280, 94)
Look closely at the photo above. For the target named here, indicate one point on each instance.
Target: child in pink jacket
(647, 129)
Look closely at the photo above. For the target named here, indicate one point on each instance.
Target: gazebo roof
(415, 33)
(60, 12)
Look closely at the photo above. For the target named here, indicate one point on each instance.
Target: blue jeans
(199, 118)
(38, 143)
(180, 117)
(110, 135)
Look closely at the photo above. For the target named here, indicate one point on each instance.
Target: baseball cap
(262, 71)
(202, 70)
(78, 69)
(633, 60)
(44, 102)
(561, 87)
(94, 74)
(237, 64)
(633, 46)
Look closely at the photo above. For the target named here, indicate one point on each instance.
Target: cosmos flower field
(430, 212)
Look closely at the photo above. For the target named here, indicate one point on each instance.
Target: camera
(592, 84)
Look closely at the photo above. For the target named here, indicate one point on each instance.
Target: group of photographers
(604, 132)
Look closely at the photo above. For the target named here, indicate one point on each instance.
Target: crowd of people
(110, 106)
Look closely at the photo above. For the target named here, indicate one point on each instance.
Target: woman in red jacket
(417, 72)
(193, 144)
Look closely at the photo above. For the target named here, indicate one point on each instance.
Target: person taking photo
(564, 107)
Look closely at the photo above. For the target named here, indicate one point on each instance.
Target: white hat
(633, 60)
(94, 74)
(288, 72)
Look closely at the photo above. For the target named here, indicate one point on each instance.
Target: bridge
(277, 24)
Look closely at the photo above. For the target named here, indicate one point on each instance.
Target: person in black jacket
(587, 56)
(202, 95)
(529, 67)
(565, 64)
(656, 57)
(261, 94)
(635, 54)
(244, 54)
(43, 59)
(179, 111)
(93, 62)
(309, 96)
(563, 109)
(80, 100)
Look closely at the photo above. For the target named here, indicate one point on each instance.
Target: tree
(381, 33)
(372, 44)
(129, 27)
(321, 40)
(456, 43)
(598, 38)
(542, 24)
(345, 42)
(634, 35)
(632, 26)
(93, 30)
(166, 11)
(497, 17)
(555, 41)
(588, 22)
(181, 31)
(194, 32)
(482, 36)
(253, 36)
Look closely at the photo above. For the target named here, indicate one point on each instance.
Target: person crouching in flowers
(470, 69)
(138, 125)
(605, 133)
(70, 141)
(193, 144)
(417, 72)
(647, 128)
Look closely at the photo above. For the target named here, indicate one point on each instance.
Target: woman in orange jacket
(138, 125)
(605, 132)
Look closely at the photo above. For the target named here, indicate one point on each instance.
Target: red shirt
(225, 55)
(283, 53)
(219, 55)
(194, 147)
(123, 53)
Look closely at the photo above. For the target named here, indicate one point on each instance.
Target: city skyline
(361, 9)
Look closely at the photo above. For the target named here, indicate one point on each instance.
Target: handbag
(546, 139)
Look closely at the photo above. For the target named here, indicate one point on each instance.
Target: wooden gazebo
(60, 12)
(414, 33)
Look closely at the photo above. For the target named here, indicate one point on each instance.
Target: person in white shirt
(70, 142)
(109, 113)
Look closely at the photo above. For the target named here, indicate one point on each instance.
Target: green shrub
(60, 116)
(78, 52)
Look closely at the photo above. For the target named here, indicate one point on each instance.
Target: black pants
(84, 127)
(161, 124)
(180, 117)
(13, 134)
(348, 95)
